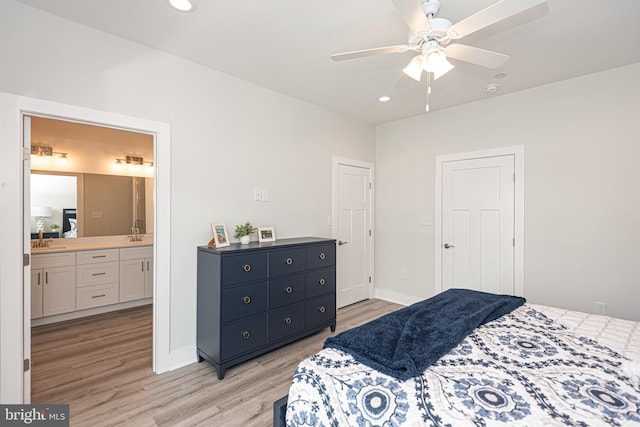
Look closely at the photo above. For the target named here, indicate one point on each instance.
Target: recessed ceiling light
(183, 5)
(492, 88)
(384, 98)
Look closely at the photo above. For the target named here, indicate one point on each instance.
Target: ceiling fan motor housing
(430, 7)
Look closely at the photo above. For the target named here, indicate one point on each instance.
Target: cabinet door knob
(322, 281)
(246, 300)
(322, 255)
(288, 320)
(246, 335)
(288, 289)
(322, 309)
(289, 261)
(247, 267)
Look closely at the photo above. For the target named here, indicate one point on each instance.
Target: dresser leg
(333, 327)
(221, 371)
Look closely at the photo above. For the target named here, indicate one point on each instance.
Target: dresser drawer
(320, 310)
(243, 335)
(244, 300)
(102, 255)
(286, 290)
(287, 261)
(321, 256)
(97, 274)
(244, 268)
(96, 296)
(320, 282)
(286, 321)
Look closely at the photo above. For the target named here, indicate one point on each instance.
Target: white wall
(227, 136)
(582, 202)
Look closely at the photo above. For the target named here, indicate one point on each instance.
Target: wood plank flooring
(101, 367)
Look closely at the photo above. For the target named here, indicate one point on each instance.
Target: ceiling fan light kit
(432, 37)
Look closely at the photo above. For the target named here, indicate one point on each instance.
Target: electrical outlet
(600, 308)
(257, 195)
(403, 273)
(96, 214)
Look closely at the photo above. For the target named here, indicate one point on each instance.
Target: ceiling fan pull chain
(426, 108)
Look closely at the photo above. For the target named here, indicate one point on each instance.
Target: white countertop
(88, 243)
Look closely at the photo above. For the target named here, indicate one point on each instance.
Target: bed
(534, 366)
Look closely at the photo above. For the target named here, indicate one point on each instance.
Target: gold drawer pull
(289, 261)
(99, 296)
(288, 320)
(322, 281)
(246, 300)
(322, 309)
(288, 289)
(247, 268)
(322, 255)
(246, 335)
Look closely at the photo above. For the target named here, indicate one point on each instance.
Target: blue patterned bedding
(522, 369)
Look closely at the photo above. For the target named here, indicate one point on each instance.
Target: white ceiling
(285, 45)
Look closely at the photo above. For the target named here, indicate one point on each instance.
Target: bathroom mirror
(103, 205)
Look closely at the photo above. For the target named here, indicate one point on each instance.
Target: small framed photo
(220, 235)
(266, 234)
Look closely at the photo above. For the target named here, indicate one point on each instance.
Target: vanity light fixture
(134, 160)
(43, 151)
(183, 5)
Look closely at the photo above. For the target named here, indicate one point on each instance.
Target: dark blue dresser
(258, 297)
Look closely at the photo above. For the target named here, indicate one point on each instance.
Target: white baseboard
(396, 297)
(182, 357)
(89, 312)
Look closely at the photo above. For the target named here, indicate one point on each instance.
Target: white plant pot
(244, 240)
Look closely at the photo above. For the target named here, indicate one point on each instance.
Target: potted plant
(54, 228)
(243, 231)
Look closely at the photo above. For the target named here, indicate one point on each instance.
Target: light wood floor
(101, 367)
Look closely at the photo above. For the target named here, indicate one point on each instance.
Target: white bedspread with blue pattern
(522, 369)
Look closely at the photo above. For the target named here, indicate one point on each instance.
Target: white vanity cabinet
(97, 278)
(53, 284)
(136, 273)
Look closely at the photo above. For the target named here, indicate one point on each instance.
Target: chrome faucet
(135, 237)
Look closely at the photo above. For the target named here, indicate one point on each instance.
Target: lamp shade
(42, 211)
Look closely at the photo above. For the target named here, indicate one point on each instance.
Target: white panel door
(478, 224)
(354, 243)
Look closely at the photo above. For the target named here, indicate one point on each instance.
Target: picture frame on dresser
(266, 234)
(220, 235)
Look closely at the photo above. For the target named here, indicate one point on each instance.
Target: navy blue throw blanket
(404, 343)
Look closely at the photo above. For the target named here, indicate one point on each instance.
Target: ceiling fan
(432, 37)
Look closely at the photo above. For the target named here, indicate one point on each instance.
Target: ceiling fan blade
(370, 52)
(491, 15)
(475, 55)
(413, 15)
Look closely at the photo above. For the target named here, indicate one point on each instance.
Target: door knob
(340, 243)
(447, 246)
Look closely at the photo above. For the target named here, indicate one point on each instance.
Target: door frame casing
(517, 151)
(14, 109)
(336, 161)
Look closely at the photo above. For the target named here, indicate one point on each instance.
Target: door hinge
(26, 153)
(514, 177)
(369, 279)
(25, 260)
(26, 365)
(514, 242)
(369, 232)
(369, 186)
